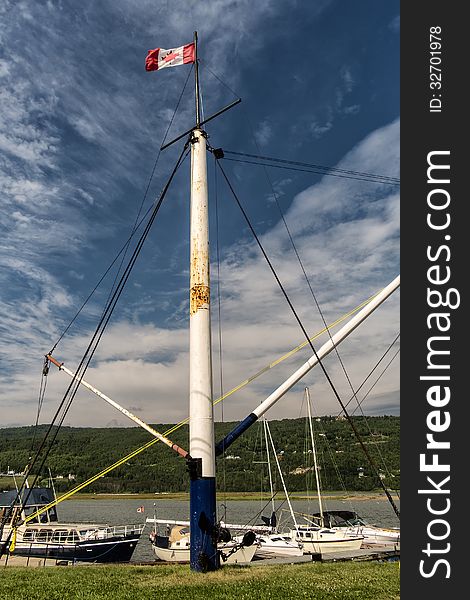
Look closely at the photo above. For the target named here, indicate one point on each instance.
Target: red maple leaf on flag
(170, 56)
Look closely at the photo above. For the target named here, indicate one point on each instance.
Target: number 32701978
(435, 58)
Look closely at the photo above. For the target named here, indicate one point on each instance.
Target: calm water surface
(124, 512)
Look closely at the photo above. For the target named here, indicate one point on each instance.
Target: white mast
(203, 543)
(282, 478)
(120, 408)
(315, 466)
(265, 424)
(200, 369)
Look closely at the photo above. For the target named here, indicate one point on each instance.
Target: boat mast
(203, 542)
(315, 466)
(282, 478)
(271, 487)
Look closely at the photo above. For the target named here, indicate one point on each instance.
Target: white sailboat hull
(376, 535)
(325, 541)
(274, 545)
(350, 523)
(182, 555)
(176, 548)
(269, 550)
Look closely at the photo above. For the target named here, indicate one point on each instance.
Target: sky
(81, 124)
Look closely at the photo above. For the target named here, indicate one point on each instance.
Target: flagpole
(203, 531)
(196, 81)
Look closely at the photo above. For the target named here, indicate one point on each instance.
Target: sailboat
(265, 541)
(206, 537)
(276, 543)
(175, 544)
(350, 522)
(320, 539)
(41, 538)
(346, 522)
(271, 541)
(311, 539)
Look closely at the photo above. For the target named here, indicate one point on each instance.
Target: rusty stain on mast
(199, 298)
(199, 293)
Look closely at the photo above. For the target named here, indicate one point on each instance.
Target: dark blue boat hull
(99, 551)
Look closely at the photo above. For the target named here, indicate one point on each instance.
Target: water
(124, 512)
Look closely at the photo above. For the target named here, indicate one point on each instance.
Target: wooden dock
(25, 561)
(376, 553)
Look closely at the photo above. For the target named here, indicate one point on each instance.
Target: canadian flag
(161, 58)
(140, 509)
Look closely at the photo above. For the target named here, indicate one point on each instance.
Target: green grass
(314, 581)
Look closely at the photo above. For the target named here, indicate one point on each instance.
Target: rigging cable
(319, 169)
(311, 168)
(81, 369)
(220, 80)
(219, 314)
(379, 377)
(332, 459)
(359, 403)
(136, 226)
(299, 260)
(370, 374)
(122, 251)
(99, 331)
(323, 170)
(136, 221)
(365, 396)
(42, 393)
(180, 424)
(320, 362)
(343, 367)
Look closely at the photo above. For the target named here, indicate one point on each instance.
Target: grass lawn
(316, 581)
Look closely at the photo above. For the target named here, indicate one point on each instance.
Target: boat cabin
(35, 499)
(339, 518)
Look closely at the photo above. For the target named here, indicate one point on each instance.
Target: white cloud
(347, 236)
(263, 133)
(319, 130)
(73, 131)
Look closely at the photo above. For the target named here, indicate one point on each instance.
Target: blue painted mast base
(204, 555)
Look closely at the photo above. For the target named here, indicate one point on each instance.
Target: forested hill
(83, 452)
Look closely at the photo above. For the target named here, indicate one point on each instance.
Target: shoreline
(231, 496)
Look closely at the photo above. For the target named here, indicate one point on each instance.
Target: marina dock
(380, 553)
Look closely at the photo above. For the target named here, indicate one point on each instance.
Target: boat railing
(113, 531)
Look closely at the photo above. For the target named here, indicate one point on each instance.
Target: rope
(219, 328)
(134, 229)
(65, 404)
(299, 260)
(149, 183)
(185, 421)
(320, 362)
(312, 168)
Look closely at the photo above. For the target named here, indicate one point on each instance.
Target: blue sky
(81, 123)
